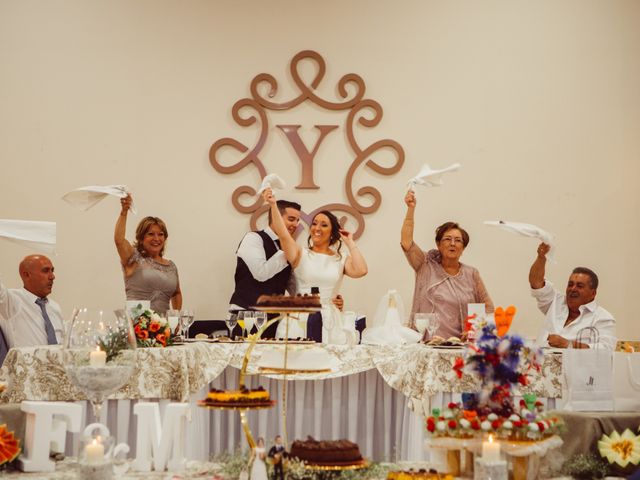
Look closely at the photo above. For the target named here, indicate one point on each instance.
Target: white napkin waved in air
(527, 230)
(272, 181)
(38, 235)
(86, 197)
(429, 177)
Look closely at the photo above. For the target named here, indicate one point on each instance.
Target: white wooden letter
(157, 441)
(44, 432)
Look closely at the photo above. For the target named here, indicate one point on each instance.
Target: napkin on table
(86, 197)
(39, 235)
(527, 230)
(429, 177)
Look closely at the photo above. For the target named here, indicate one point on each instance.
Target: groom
(276, 453)
(261, 267)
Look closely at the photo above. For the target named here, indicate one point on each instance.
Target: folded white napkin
(38, 235)
(272, 181)
(86, 197)
(429, 177)
(527, 230)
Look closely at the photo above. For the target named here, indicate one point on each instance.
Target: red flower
(496, 424)
(458, 365)
(154, 327)
(517, 424)
(162, 339)
(523, 380)
(452, 424)
(523, 403)
(431, 424)
(452, 405)
(143, 334)
(475, 424)
(541, 426)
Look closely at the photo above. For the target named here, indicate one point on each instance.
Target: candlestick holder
(94, 457)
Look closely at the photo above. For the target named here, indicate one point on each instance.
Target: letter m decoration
(253, 112)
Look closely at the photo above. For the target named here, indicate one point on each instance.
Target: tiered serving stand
(287, 314)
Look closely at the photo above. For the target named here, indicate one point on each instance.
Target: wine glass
(261, 317)
(99, 353)
(249, 321)
(173, 318)
(421, 321)
(231, 322)
(186, 320)
(432, 324)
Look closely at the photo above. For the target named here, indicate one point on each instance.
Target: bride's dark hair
(335, 230)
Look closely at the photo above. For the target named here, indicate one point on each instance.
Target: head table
(375, 395)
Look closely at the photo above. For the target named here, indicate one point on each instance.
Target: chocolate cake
(326, 452)
(289, 301)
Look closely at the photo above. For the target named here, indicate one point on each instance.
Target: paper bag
(626, 375)
(588, 380)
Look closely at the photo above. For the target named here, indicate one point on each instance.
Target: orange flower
(154, 327)
(143, 335)
(9, 446)
(162, 339)
(469, 414)
(167, 332)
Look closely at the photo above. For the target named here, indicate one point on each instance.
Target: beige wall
(538, 100)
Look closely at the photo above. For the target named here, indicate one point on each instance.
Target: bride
(259, 468)
(322, 264)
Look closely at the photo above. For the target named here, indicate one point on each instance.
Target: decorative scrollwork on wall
(252, 112)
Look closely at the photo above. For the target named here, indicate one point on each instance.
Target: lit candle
(490, 451)
(94, 452)
(98, 358)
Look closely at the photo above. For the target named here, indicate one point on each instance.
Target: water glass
(173, 318)
(432, 324)
(421, 321)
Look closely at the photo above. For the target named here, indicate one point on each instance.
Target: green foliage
(232, 464)
(585, 466)
(113, 343)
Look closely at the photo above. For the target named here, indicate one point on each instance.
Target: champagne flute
(241, 316)
(231, 322)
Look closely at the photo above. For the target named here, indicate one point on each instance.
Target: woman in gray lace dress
(147, 274)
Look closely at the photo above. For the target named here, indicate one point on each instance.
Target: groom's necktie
(48, 326)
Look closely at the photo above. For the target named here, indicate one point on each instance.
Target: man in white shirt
(27, 317)
(567, 314)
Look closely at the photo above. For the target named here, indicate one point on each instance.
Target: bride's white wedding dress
(325, 272)
(259, 468)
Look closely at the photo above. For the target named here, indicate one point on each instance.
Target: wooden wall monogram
(366, 112)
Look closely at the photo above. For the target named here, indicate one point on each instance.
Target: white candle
(94, 452)
(490, 451)
(98, 358)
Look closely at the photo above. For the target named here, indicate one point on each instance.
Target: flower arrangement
(501, 362)
(151, 329)
(620, 449)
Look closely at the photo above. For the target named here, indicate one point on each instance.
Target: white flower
(156, 318)
(514, 417)
(507, 424)
(441, 426)
(448, 414)
(524, 412)
(464, 423)
(492, 417)
(534, 427)
(486, 425)
(504, 346)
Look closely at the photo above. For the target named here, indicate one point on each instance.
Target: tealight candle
(98, 358)
(490, 451)
(94, 452)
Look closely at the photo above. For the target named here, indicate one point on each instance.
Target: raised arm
(289, 246)
(355, 266)
(536, 273)
(125, 250)
(406, 234)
